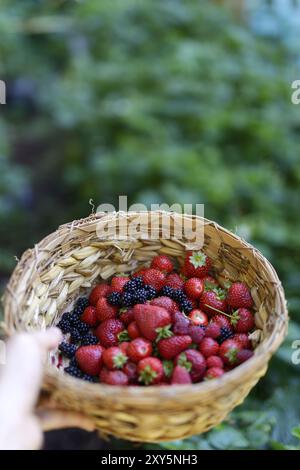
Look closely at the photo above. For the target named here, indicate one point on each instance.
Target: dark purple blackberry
(226, 333)
(167, 291)
(151, 292)
(115, 298)
(82, 303)
(75, 336)
(73, 319)
(65, 326)
(127, 299)
(186, 305)
(88, 378)
(73, 362)
(88, 339)
(82, 327)
(179, 295)
(66, 316)
(74, 371)
(78, 311)
(140, 296)
(67, 349)
(134, 284)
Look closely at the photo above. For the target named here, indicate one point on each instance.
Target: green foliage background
(165, 101)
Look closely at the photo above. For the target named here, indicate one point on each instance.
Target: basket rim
(261, 357)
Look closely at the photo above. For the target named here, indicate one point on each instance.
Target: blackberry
(82, 327)
(226, 333)
(140, 296)
(88, 378)
(151, 292)
(67, 349)
(74, 319)
(65, 326)
(88, 339)
(127, 299)
(115, 298)
(133, 284)
(167, 291)
(66, 316)
(179, 295)
(82, 302)
(74, 371)
(186, 305)
(75, 335)
(73, 362)
(78, 311)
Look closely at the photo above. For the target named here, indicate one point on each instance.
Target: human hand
(20, 383)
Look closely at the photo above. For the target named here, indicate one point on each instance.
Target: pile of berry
(159, 326)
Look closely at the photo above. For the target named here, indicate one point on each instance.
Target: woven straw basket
(71, 260)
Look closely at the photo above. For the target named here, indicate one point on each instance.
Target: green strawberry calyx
(168, 367)
(183, 362)
(235, 318)
(232, 355)
(164, 332)
(198, 259)
(147, 375)
(123, 336)
(119, 360)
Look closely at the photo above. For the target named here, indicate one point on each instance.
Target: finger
(48, 339)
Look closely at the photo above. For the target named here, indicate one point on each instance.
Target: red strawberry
(89, 358)
(165, 302)
(213, 373)
(213, 330)
(104, 310)
(170, 347)
(124, 346)
(130, 369)
(162, 263)
(214, 361)
(209, 347)
(239, 296)
(229, 350)
(89, 316)
(100, 290)
(133, 330)
(222, 320)
(175, 281)
(210, 283)
(107, 332)
(244, 355)
(150, 370)
(138, 349)
(153, 322)
(197, 333)
(194, 288)
(154, 278)
(126, 315)
(242, 320)
(198, 317)
(114, 358)
(113, 377)
(194, 362)
(180, 376)
(118, 282)
(211, 301)
(140, 272)
(243, 339)
(197, 264)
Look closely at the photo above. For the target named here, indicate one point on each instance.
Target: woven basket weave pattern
(72, 259)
